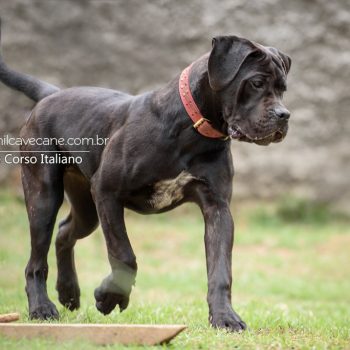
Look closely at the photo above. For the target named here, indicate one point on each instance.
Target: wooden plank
(101, 334)
(9, 317)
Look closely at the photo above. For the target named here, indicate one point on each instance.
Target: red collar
(201, 124)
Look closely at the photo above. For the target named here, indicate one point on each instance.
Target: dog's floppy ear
(227, 55)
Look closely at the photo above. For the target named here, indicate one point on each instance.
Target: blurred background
(136, 46)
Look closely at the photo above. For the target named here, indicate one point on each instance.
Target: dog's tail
(34, 88)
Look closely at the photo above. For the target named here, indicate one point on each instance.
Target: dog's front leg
(218, 246)
(115, 289)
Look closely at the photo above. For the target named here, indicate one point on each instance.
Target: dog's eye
(257, 84)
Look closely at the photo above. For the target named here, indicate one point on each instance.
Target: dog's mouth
(236, 133)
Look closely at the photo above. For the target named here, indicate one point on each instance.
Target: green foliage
(297, 210)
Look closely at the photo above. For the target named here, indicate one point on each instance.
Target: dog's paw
(228, 320)
(45, 311)
(68, 294)
(107, 301)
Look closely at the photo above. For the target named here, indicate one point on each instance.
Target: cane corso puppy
(164, 148)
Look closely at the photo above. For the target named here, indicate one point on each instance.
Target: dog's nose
(282, 113)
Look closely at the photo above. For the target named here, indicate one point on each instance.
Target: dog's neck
(170, 110)
(205, 98)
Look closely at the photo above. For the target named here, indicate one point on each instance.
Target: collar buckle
(199, 122)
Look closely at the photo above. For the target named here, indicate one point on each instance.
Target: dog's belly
(161, 196)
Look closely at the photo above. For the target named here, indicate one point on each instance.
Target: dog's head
(249, 81)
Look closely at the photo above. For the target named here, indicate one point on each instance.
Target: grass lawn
(291, 270)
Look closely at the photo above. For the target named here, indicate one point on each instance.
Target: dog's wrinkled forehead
(229, 54)
(277, 58)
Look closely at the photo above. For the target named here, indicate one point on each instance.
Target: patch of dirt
(264, 250)
(337, 244)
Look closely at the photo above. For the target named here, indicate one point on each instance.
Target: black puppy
(164, 148)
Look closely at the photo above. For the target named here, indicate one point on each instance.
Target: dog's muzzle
(236, 133)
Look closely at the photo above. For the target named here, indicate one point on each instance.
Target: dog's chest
(167, 192)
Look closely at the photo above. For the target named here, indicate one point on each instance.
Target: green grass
(291, 277)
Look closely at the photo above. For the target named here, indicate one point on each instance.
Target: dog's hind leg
(81, 221)
(43, 189)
